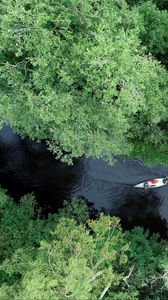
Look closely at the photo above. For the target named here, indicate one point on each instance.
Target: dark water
(26, 166)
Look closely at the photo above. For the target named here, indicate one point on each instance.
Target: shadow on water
(26, 166)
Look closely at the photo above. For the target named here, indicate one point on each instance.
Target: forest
(87, 77)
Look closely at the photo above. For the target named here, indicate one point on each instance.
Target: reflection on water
(26, 166)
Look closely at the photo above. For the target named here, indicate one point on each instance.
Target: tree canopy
(71, 256)
(87, 77)
(76, 74)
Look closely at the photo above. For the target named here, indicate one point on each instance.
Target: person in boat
(150, 183)
(153, 182)
(165, 180)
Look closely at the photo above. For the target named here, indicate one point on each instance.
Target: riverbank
(150, 154)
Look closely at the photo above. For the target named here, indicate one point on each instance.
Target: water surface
(27, 166)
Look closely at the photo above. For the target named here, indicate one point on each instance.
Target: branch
(98, 263)
(49, 261)
(97, 275)
(105, 291)
(126, 277)
(161, 276)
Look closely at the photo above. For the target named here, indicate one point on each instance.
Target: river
(27, 166)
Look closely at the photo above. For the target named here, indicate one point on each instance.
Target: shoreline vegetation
(70, 255)
(90, 78)
(150, 154)
(86, 77)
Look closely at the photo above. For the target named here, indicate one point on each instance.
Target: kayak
(156, 185)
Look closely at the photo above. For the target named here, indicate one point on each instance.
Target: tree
(68, 255)
(153, 33)
(161, 4)
(74, 74)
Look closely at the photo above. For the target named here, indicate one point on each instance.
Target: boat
(156, 185)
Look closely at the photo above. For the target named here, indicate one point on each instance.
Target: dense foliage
(161, 4)
(153, 32)
(87, 77)
(71, 256)
(75, 74)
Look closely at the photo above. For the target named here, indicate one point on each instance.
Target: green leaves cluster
(74, 74)
(153, 32)
(161, 4)
(70, 256)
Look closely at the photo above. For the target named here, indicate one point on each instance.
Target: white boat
(156, 185)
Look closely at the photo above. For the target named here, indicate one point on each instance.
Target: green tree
(161, 4)
(73, 73)
(154, 27)
(67, 255)
(151, 143)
